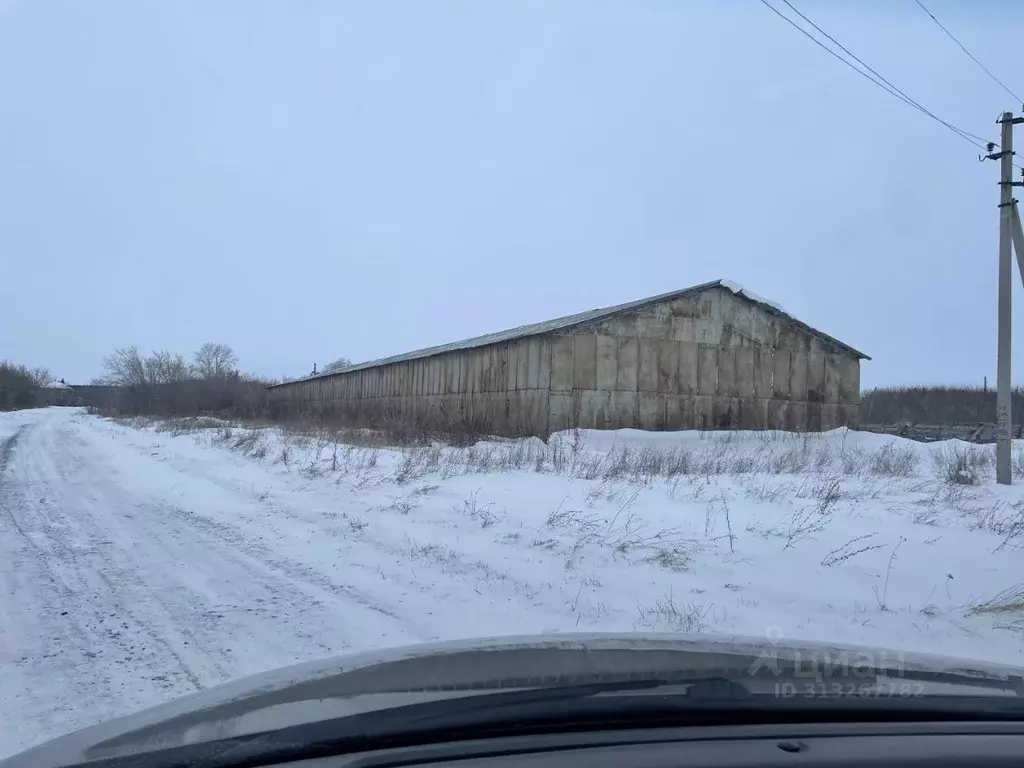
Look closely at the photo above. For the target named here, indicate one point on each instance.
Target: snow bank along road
(140, 562)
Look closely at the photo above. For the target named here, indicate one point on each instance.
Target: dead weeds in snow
(1010, 600)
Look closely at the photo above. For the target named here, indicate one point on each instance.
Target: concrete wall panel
(595, 408)
(544, 373)
(830, 416)
(755, 413)
(533, 347)
(849, 380)
(584, 354)
(668, 367)
(814, 414)
(815, 378)
(763, 365)
(796, 416)
(627, 373)
(561, 364)
(727, 384)
(648, 373)
(798, 376)
(707, 369)
(560, 414)
(688, 367)
(833, 369)
(650, 412)
(703, 411)
(522, 365)
(745, 386)
(623, 410)
(607, 362)
(781, 365)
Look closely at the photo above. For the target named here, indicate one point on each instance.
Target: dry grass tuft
(1010, 600)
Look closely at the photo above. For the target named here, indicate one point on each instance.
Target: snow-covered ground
(140, 562)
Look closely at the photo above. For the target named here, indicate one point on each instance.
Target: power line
(972, 56)
(881, 81)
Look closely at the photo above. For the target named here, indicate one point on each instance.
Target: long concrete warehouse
(712, 356)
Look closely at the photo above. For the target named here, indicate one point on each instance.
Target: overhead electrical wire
(973, 58)
(874, 76)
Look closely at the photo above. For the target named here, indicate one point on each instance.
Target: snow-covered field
(139, 562)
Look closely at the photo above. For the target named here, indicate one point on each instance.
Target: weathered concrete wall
(710, 361)
(502, 388)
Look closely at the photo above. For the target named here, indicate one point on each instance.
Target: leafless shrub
(794, 459)
(801, 524)
(1017, 461)
(418, 461)
(1002, 519)
(250, 443)
(805, 523)
(958, 465)
(855, 546)
(928, 515)
(312, 470)
(571, 519)
(827, 491)
(479, 512)
(769, 493)
(401, 504)
(852, 461)
(893, 460)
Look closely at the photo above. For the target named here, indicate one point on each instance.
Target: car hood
(354, 683)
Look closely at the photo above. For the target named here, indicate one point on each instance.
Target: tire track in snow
(65, 617)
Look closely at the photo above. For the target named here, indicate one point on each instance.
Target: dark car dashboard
(839, 745)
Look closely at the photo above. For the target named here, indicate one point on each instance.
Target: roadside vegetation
(867, 513)
(935, 405)
(18, 385)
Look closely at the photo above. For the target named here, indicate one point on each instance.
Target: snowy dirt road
(142, 562)
(124, 586)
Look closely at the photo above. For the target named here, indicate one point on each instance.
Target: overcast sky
(306, 179)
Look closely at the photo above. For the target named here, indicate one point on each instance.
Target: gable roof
(569, 321)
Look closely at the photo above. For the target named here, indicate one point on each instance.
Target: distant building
(713, 356)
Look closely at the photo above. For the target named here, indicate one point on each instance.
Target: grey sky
(306, 179)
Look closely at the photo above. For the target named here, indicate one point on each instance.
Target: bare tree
(164, 367)
(337, 365)
(40, 376)
(214, 361)
(125, 367)
(128, 368)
